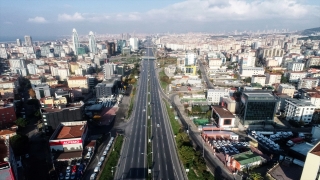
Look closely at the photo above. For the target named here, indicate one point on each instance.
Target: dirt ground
(122, 113)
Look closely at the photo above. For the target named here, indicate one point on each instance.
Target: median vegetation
(132, 80)
(112, 160)
(190, 158)
(164, 80)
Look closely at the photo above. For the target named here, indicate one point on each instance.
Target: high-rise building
(134, 44)
(28, 40)
(108, 70)
(92, 43)
(75, 41)
(19, 42)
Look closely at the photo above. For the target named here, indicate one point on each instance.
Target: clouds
(37, 19)
(66, 17)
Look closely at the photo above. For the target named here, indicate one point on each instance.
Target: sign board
(66, 142)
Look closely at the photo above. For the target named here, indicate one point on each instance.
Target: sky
(58, 17)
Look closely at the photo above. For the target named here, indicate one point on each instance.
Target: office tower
(108, 70)
(134, 44)
(92, 43)
(28, 40)
(75, 41)
(19, 42)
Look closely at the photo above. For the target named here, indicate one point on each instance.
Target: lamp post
(147, 159)
(112, 169)
(147, 130)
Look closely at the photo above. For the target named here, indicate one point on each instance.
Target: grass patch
(164, 80)
(174, 123)
(132, 95)
(112, 160)
(167, 61)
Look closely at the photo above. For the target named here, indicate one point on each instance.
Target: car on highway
(102, 159)
(158, 125)
(107, 148)
(74, 168)
(99, 163)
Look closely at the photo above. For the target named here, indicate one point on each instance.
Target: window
(227, 122)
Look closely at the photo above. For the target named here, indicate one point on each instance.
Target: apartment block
(214, 96)
(286, 89)
(79, 82)
(308, 83)
(299, 110)
(296, 76)
(273, 78)
(250, 71)
(260, 79)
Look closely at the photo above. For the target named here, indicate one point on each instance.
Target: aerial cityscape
(161, 90)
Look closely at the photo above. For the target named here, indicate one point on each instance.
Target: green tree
(247, 80)
(187, 155)
(255, 176)
(284, 79)
(21, 122)
(19, 144)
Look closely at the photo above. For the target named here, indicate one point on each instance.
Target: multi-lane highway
(133, 162)
(165, 161)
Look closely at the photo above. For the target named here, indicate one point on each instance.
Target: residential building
(6, 133)
(63, 73)
(52, 101)
(190, 59)
(281, 102)
(92, 43)
(78, 82)
(8, 164)
(106, 88)
(295, 66)
(35, 81)
(272, 52)
(299, 110)
(190, 70)
(260, 79)
(250, 71)
(230, 104)
(313, 61)
(257, 108)
(28, 41)
(296, 76)
(75, 41)
(108, 70)
(273, 78)
(308, 83)
(223, 117)
(272, 63)
(314, 99)
(53, 116)
(214, 96)
(73, 66)
(17, 63)
(32, 68)
(125, 51)
(244, 160)
(7, 114)
(311, 168)
(41, 90)
(286, 89)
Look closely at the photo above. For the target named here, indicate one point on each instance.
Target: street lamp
(147, 159)
(147, 130)
(112, 169)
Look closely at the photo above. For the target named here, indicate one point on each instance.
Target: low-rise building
(261, 79)
(79, 82)
(308, 83)
(286, 89)
(223, 117)
(299, 110)
(245, 160)
(214, 96)
(41, 90)
(296, 76)
(273, 78)
(295, 66)
(106, 88)
(250, 71)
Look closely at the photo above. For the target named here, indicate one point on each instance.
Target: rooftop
(302, 148)
(316, 149)
(67, 132)
(246, 157)
(222, 112)
(3, 151)
(300, 102)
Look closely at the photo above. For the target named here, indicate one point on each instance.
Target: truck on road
(294, 141)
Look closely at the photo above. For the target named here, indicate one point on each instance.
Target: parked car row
(72, 171)
(268, 142)
(101, 160)
(229, 147)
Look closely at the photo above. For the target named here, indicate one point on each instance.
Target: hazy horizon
(56, 18)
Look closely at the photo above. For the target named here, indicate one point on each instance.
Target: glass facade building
(257, 108)
(75, 41)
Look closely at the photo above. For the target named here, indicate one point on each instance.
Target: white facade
(214, 96)
(108, 70)
(250, 71)
(296, 76)
(63, 73)
(92, 43)
(261, 79)
(299, 110)
(190, 59)
(308, 83)
(134, 43)
(17, 63)
(28, 40)
(75, 41)
(273, 78)
(295, 66)
(32, 68)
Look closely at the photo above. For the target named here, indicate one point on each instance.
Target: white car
(158, 125)
(104, 153)
(96, 169)
(99, 163)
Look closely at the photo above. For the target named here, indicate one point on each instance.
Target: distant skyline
(54, 18)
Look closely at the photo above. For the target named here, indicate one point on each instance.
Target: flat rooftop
(259, 95)
(69, 155)
(3, 151)
(222, 112)
(292, 172)
(68, 132)
(302, 148)
(316, 149)
(300, 102)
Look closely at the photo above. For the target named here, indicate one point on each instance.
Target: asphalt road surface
(165, 161)
(132, 164)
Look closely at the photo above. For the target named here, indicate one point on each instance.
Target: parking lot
(227, 146)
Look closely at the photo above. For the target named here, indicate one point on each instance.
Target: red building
(7, 114)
